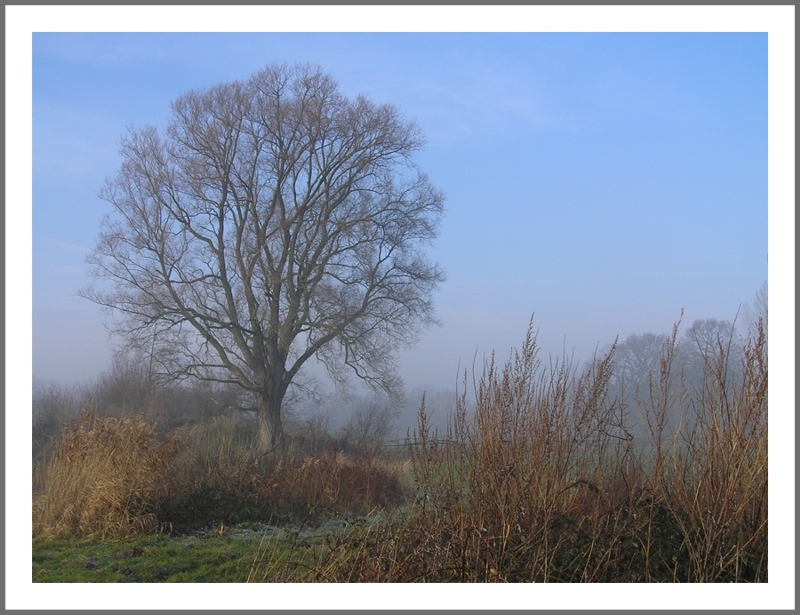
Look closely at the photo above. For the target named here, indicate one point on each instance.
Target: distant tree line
(698, 350)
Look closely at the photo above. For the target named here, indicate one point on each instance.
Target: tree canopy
(275, 220)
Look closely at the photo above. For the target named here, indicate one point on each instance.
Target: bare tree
(276, 220)
(710, 344)
(636, 359)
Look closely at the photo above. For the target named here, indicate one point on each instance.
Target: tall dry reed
(717, 482)
(543, 480)
(108, 476)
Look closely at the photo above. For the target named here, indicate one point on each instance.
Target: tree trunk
(270, 426)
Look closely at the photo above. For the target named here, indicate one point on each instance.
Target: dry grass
(717, 480)
(220, 477)
(538, 479)
(335, 481)
(543, 481)
(107, 477)
(118, 477)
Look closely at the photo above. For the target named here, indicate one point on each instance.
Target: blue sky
(601, 180)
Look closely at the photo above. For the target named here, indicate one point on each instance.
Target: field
(247, 552)
(541, 476)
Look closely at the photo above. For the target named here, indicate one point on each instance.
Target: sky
(600, 181)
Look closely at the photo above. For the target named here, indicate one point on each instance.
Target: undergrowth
(538, 477)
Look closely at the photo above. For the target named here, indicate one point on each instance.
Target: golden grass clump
(107, 477)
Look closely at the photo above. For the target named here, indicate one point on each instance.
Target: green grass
(248, 552)
(153, 559)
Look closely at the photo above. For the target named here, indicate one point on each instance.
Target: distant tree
(276, 220)
(636, 364)
(707, 334)
(704, 344)
(636, 359)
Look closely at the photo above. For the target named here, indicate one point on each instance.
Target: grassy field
(148, 559)
(538, 480)
(247, 552)
(243, 553)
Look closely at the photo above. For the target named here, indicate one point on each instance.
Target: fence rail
(407, 442)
